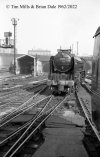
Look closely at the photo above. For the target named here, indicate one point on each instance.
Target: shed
(25, 64)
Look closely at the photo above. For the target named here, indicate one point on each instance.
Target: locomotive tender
(66, 72)
(96, 80)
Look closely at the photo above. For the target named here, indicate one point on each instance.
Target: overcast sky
(46, 28)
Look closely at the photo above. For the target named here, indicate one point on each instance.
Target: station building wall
(5, 61)
(39, 67)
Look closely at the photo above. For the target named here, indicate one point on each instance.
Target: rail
(40, 119)
(88, 116)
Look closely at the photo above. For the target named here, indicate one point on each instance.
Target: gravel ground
(70, 112)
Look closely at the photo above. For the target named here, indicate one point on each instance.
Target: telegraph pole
(14, 22)
(36, 64)
(72, 48)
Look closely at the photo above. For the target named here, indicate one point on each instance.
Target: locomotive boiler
(66, 72)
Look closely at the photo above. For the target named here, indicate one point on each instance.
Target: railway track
(26, 134)
(91, 135)
(29, 86)
(88, 88)
(20, 91)
(19, 106)
(16, 84)
(15, 124)
(11, 101)
(16, 81)
(23, 108)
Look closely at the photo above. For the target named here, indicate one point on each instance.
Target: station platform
(62, 139)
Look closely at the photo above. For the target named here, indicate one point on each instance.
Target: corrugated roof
(22, 56)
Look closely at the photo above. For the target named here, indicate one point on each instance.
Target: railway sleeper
(32, 145)
(9, 128)
(13, 138)
(18, 124)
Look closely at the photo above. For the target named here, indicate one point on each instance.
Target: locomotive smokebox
(63, 61)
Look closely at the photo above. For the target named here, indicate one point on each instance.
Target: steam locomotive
(66, 72)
